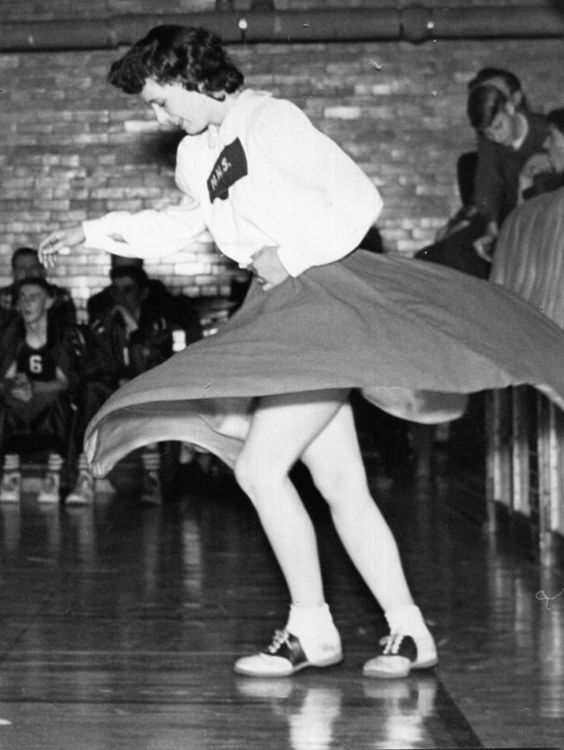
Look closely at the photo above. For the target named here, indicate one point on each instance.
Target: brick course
(73, 147)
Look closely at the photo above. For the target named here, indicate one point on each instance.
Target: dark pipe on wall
(415, 23)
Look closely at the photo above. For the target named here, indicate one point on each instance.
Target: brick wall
(73, 147)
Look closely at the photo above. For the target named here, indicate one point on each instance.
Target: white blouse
(265, 177)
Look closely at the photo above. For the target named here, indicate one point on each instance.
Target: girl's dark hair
(192, 56)
(556, 117)
(484, 104)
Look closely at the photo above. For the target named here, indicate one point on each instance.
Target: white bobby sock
(310, 620)
(407, 620)
(316, 631)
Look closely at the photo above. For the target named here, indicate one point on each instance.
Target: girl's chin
(193, 130)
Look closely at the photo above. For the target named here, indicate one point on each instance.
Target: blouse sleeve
(151, 233)
(326, 203)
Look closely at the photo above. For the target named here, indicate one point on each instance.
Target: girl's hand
(268, 269)
(59, 242)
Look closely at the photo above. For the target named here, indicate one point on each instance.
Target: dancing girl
(271, 387)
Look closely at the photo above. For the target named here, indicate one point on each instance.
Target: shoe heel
(329, 662)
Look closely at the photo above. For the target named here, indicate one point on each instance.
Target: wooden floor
(120, 625)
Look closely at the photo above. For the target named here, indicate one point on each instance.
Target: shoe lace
(279, 638)
(391, 643)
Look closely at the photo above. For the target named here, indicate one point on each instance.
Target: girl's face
(554, 144)
(174, 105)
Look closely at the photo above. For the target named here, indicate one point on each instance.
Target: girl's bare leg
(336, 466)
(281, 429)
(335, 462)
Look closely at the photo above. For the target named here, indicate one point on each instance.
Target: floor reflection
(390, 714)
(126, 621)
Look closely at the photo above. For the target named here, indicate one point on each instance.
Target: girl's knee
(255, 476)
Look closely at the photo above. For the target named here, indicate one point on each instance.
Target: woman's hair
(556, 117)
(484, 104)
(191, 56)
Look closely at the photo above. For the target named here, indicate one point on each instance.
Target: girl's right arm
(59, 242)
(149, 233)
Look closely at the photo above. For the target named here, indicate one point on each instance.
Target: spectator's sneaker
(50, 488)
(151, 492)
(399, 654)
(83, 492)
(11, 487)
(286, 655)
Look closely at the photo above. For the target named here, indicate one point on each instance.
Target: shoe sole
(304, 665)
(383, 675)
(77, 501)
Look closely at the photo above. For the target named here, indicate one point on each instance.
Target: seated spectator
(510, 136)
(544, 173)
(454, 243)
(39, 364)
(467, 241)
(137, 335)
(510, 85)
(26, 264)
(177, 309)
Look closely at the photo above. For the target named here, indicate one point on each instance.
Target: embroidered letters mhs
(230, 166)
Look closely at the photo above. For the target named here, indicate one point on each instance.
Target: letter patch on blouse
(230, 166)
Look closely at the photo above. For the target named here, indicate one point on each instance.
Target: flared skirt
(414, 337)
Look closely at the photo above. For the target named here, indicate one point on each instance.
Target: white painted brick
(342, 112)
